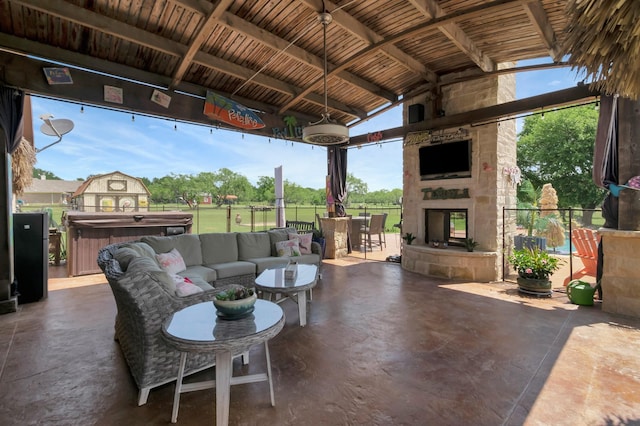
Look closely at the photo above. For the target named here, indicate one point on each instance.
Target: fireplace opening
(446, 226)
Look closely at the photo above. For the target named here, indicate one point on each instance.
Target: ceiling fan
(326, 131)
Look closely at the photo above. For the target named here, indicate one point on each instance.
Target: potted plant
(534, 267)
(408, 237)
(235, 302)
(470, 244)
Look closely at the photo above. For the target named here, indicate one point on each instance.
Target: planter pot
(522, 241)
(538, 287)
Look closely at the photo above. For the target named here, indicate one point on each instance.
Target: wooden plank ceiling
(268, 54)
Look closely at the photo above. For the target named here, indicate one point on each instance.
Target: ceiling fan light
(325, 134)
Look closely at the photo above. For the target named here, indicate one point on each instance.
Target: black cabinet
(31, 255)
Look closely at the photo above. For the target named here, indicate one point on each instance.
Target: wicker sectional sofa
(145, 294)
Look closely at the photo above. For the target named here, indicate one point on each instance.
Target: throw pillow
(184, 286)
(304, 241)
(172, 262)
(288, 248)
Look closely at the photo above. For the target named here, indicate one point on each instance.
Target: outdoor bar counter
(87, 232)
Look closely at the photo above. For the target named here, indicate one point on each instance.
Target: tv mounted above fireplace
(446, 160)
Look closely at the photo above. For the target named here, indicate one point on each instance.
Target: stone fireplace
(450, 207)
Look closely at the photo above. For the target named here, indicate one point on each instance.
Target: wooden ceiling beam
(361, 31)
(489, 114)
(134, 35)
(538, 17)
(431, 10)
(201, 34)
(271, 83)
(411, 32)
(292, 51)
(102, 24)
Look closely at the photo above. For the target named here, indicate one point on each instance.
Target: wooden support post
(628, 162)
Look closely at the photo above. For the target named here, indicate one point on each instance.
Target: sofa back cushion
(252, 245)
(187, 244)
(144, 271)
(124, 256)
(219, 247)
(143, 249)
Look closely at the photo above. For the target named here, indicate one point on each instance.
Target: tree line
(192, 189)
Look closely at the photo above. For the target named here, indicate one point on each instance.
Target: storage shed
(112, 192)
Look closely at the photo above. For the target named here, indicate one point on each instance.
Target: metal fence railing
(240, 218)
(548, 229)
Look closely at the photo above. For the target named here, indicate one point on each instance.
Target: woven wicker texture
(142, 307)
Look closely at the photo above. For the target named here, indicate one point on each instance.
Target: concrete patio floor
(383, 346)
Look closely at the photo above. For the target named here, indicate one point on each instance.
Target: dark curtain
(605, 153)
(11, 109)
(605, 171)
(338, 175)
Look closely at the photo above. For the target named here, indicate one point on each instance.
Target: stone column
(335, 231)
(620, 269)
(621, 272)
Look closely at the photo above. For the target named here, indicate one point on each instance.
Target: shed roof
(52, 186)
(84, 185)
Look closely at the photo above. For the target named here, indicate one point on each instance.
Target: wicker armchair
(143, 305)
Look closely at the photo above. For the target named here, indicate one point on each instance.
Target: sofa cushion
(199, 272)
(232, 269)
(201, 283)
(219, 247)
(144, 271)
(270, 262)
(288, 248)
(308, 259)
(172, 261)
(124, 255)
(187, 244)
(304, 241)
(164, 279)
(143, 249)
(253, 244)
(184, 286)
(277, 235)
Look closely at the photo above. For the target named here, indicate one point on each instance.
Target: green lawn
(209, 218)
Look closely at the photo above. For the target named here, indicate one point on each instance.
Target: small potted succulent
(235, 301)
(470, 244)
(408, 237)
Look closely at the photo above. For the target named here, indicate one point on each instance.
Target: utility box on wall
(88, 232)
(416, 113)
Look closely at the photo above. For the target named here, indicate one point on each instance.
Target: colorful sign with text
(230, 112)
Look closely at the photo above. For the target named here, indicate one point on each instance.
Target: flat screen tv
(447, 160)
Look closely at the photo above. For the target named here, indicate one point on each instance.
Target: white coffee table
(197, 329)
(272, 281)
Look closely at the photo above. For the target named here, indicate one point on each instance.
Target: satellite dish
(58, 127)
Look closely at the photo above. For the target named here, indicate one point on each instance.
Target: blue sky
(103, 141)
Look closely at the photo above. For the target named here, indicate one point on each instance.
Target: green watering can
(580, 292)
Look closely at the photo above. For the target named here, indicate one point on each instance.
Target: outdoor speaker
(416, 113)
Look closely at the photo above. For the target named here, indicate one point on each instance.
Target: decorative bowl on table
(235, 302)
